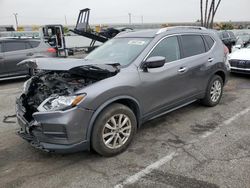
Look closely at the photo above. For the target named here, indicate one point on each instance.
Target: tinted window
(231, 34)
(225, 35)
(34, 44)
(14, 46)
(168, 48)
(209, 40)
(192, 45)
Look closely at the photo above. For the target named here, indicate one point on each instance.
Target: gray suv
(99, 102)
(14, 50)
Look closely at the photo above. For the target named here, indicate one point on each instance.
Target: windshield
(120, 50)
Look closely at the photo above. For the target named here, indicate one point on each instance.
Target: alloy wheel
(116, 131)
(215, 91)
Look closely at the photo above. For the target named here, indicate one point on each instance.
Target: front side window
(192, 45)
(168, 48)
(14, 46)
(119, 50)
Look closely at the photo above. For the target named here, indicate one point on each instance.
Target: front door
(15, 52)
(165, 86)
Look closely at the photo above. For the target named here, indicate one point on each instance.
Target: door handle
(182, 69)
(30, 54)
(210, 60)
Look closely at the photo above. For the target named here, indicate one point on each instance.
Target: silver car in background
(14, 50)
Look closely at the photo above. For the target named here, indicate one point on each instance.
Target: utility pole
(15, 14)
(129, 18)
(65, 19)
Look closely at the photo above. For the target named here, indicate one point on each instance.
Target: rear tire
(113, 130)
(214, 92)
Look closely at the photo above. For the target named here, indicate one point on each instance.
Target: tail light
(51, 50)
(226, 51)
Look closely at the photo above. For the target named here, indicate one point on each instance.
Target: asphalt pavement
(194, 146)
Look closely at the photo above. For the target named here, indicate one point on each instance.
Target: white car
(240, 61)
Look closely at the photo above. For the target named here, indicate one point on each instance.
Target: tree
(227, 26)
(201, 4)
(211, 7)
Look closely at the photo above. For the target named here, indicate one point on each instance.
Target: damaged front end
(48, 111)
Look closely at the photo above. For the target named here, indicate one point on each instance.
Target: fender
(104, 105)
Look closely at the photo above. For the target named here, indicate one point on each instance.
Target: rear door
(197, 60)
(14, 52)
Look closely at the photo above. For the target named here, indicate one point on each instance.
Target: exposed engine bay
(45, 84)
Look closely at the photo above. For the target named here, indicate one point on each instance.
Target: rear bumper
(61, 132)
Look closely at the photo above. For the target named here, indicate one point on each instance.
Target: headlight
(26, 85)
(55, 103)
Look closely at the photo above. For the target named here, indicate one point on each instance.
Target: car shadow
(13, 81)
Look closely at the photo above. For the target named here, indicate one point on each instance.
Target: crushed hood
(65, 64)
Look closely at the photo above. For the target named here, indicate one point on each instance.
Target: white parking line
(147, 170)
(227, 122)
(136, 177)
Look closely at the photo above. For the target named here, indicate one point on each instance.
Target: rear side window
(168, 48)
(14, 46)
(34, 44)
(209, 41)
(192, 45)
(225, 35)
(231, 34)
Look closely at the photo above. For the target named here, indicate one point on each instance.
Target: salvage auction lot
(194, 146)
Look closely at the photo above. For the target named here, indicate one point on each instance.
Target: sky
(38, 12)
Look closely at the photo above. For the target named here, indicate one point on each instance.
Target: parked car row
(240, 60)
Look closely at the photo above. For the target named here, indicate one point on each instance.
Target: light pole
(15, 14)
(65, 19)
(129, 18)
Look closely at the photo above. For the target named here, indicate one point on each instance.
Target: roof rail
(19, 37)
(180, 27)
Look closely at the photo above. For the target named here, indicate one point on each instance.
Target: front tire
(214, 92)
(113, 130)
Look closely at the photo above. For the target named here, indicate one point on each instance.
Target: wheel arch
(222, 74)
(128, 101)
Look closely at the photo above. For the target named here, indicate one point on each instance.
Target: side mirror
(154, 62)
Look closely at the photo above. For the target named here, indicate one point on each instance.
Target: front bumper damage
(60, 132)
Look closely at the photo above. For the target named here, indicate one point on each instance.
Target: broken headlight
(26, 86)
(55, 102)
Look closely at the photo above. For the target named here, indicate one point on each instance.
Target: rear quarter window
(192, 45)
(225, 35)
(34, 44)
(14, 46)
(210, 42)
